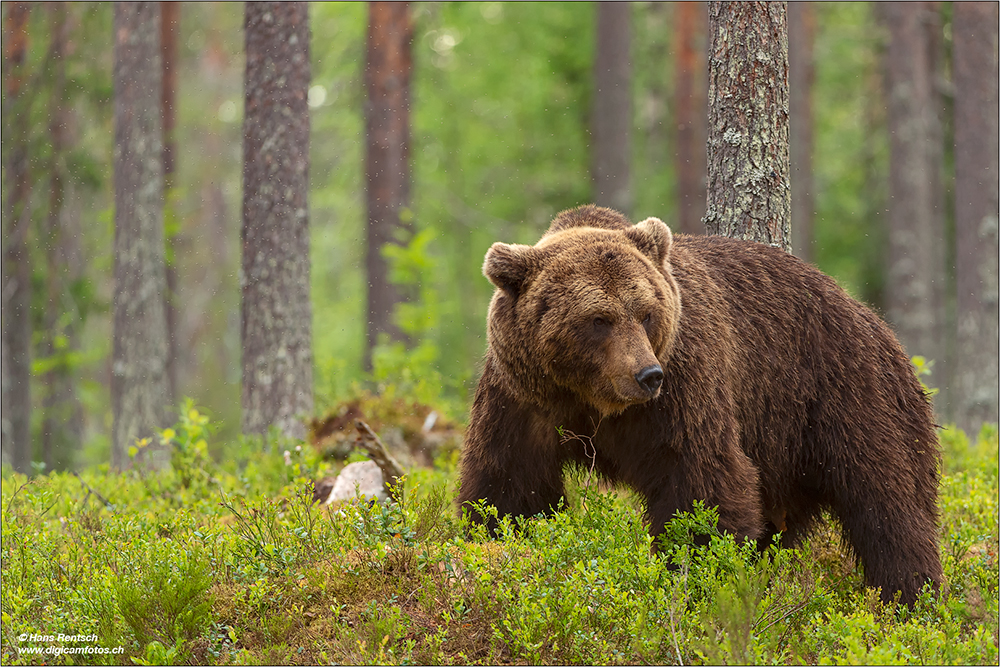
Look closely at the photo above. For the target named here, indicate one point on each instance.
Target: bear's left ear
(508, 266)
(653, 239)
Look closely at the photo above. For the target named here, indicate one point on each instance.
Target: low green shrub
(232, 563)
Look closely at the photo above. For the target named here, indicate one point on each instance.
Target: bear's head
(591, 309)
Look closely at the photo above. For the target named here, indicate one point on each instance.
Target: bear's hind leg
(894, 534)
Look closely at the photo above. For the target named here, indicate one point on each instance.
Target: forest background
(501, 103)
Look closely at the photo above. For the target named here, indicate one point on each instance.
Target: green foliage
(474, 182)
(961, 454)
(188, 446)
(415, 370)
(851, 149)
(161, 594)
(247, 570)
(923, 369)
(158, 654)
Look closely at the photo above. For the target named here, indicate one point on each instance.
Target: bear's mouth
(626, 393)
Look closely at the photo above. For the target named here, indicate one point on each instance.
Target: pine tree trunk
(748, 164)
(611, 121)
(138, 381)
(59, 437)
(387, 120)
(875, 189)
(70, 412)
(50, 432)
(690, 102)
(276, 312)
(169, 26)
(801, 75)
(915, 254)
(16, 288)
(974, 59)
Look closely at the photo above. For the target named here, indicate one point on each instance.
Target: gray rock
(362, 479)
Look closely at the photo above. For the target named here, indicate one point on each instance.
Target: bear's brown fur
(703, 368)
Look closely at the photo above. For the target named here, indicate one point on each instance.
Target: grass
(232, 564)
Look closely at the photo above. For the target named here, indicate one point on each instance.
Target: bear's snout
(650, 378)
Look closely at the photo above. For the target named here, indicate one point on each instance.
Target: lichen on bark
(748, 164)
(138, 372)
(276, 314)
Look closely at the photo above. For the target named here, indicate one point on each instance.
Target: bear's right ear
(508, 266)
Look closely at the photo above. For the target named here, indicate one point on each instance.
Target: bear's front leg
(731, 482)
(512, 458)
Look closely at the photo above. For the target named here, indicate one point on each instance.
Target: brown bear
(702, 367)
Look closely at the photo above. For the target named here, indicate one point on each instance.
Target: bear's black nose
(650, 377)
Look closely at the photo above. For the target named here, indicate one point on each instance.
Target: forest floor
(227, 560)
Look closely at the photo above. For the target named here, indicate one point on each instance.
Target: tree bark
(169, 26)
(387, 120)
(16, 290)
(276, 312)
(611, 121)
(138, 381)
(690, 102)
(801, 75)
(748, 164)
(974, 62)
(60, 434)
(51, 435)
(915, 253)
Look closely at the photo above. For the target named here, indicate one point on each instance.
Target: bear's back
(809, 362)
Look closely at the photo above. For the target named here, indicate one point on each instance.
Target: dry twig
(392, 472)
(91, 491)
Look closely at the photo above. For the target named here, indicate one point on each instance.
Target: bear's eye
(601, 323)
(646, 320)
